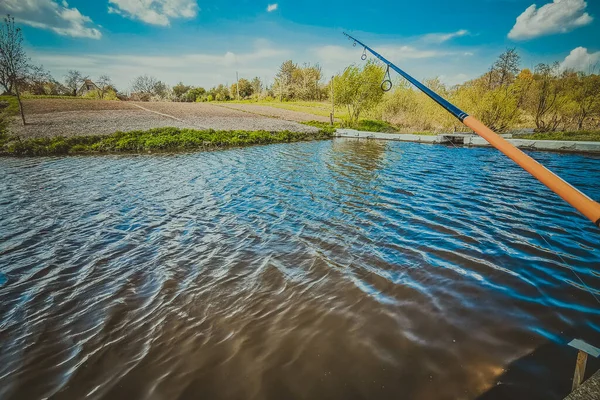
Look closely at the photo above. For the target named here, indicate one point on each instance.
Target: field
(78, 117)
(315, 108)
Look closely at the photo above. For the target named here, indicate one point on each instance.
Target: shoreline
(472, 140)
(158, 140)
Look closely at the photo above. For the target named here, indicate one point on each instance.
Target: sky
(205, 42)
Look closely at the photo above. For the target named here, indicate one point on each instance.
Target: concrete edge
(471, 140)
(589, 390)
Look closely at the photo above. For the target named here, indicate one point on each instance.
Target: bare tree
(73, 80)
(104, 83)
(37, 78)
(13, 59)
(146, 86)
(505, 69)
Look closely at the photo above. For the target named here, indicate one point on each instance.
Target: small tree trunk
(20, 105)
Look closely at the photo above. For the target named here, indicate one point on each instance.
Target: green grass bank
(154, 140)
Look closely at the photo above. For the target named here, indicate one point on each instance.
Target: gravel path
(57, 117)
(289, 115)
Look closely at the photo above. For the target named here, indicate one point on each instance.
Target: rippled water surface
(326, 270)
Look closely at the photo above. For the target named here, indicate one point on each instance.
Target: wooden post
(332, 115)
(579, 369)
(20, 103)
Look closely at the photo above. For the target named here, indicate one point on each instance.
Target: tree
(4, 80)
(194, 94)
(585, 92)
(359, 90)
(147, 86)
(246, 89)
(105, 84)
(257, 85)
(219, 93)
(283, 80)
(545, 96)
(37, 79)
(505, 69)
(306, 82)
(180, 90)
(497, 108)
(73, 80)
(13, 60)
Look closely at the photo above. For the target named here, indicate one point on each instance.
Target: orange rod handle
(574, 197)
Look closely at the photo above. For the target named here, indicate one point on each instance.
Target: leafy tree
(13, 60)
(194, 94)
(497, 108)
(180, 90)
(283, 80)
(585, 91)
(257, 86)
(219, 93)
(307, 82)
(359, 89)
(246, 89)
(545, 97)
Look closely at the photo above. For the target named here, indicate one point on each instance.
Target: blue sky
(204, 42)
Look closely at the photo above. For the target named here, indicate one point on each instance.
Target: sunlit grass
(154, 140)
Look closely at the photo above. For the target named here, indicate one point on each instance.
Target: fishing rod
(582, 203)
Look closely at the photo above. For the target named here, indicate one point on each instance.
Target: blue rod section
(457, 112)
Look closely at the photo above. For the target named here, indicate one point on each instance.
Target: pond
(341, 269)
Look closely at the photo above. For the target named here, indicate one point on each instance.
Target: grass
(6, 114)
(323, 126)
(362, 125)
(13, 106)
(587, 136)
(374, 126)
(154, 140)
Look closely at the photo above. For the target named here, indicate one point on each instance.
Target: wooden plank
(583, 346)
(579, 369)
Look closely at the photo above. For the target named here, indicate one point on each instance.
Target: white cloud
(272, 7)
(581, 60)
(155, 12)
(50, 15)
(560, 16)
(201, 69)
(444, 37)
(349, 55)
(456, 79)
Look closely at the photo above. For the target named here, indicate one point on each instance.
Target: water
(326, 270)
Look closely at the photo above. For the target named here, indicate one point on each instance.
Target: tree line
(292, 82)
(504, 98)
